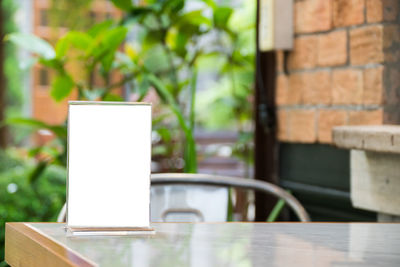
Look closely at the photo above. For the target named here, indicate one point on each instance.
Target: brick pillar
(344, 69)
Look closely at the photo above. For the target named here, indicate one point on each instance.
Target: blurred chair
(203, 197)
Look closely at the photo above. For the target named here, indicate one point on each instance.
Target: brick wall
(43, 105)
(344, 68)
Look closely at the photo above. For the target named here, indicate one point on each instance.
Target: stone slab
(375, 181)
(381, 138)
(387, 218)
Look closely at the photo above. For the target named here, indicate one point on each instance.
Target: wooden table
(209, 244)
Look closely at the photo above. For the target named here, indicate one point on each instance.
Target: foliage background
(14, 92)
(174, 47)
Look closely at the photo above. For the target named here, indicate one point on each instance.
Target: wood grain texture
(26, 247)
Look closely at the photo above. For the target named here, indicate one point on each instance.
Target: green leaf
(124, 63)
(193, 23)
(210, 3)
(165, 134)
(194, 18)
(123, 4)
(229, 215)
(32, 43)
(108, 41)
(61, 87)
(35, 151)
(100, 28)
(37, 171)
(59, 130)
(177, 41)
(151, 21)
(156, 59)
(62, 47)
(143, 88)
(52, 63)
(27, 122)
(159, 150)
(190, 154)
(276, 210)
(112, 97)
(153, 37)
(106, 62)
(167, 97)
(180, 45)
(106, 45)
(174, 6)
(193, 83)
(79, 40)
(138, 14)
(221, 16)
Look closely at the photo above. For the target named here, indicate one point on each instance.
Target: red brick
(373, 86)
(348, 12)
(317, 88)
(283, 130)
(304, 55)
(332, 48)
(382, 10)
(302, 125)
(295, 91)
(347, 86)
(313, 16)
(366, 45)
(281, 96)
(366, 117)
(327, 119)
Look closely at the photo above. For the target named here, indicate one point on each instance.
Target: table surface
(210, 244)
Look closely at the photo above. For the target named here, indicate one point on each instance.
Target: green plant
(167, 54)
(172, 43)
(24, 200)
(229, 104)
(167, 59)
(71, 14)
(13, 83)
(93, 53)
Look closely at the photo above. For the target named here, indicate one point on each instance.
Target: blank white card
(109, 156)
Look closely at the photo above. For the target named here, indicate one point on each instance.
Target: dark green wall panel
(319, 176)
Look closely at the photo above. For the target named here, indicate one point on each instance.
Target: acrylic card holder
(109, 157)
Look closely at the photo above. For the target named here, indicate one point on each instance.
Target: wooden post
(265, 126)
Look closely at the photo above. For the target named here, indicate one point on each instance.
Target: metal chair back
(217, 181)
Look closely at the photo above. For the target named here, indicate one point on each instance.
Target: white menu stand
(109, 157)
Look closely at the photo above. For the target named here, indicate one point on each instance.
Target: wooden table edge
(26, 247)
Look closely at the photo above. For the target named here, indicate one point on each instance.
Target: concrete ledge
(382, 138)
(375, 181)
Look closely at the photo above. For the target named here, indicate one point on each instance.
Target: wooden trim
(26, 247)
(110, 229)
(265, 143)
